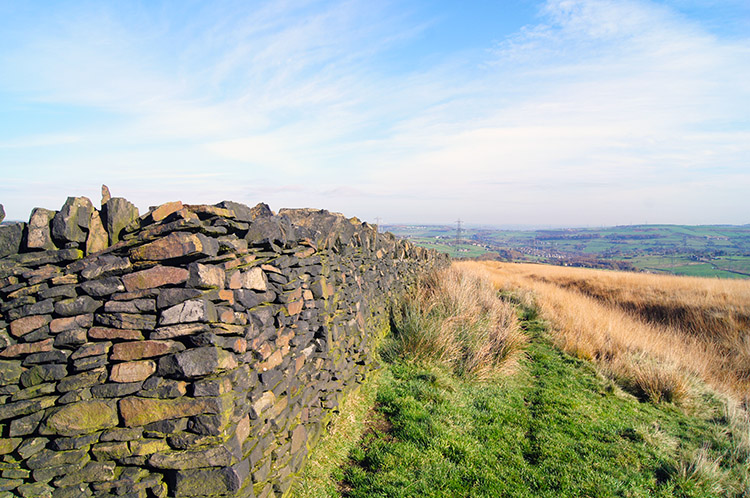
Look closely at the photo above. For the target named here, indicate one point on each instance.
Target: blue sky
(565, 112)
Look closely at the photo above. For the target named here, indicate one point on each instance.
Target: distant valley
(696, 250)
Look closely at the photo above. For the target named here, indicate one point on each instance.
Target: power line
(458, 234)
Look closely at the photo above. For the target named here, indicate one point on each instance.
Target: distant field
(462, 251)
(708, 251)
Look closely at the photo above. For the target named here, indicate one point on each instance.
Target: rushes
(648, 380)
(455, 318)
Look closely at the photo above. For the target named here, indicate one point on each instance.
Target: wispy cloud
(314, 103)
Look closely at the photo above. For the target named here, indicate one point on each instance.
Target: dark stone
(115, 389)
(207, 482)
(74, 443)
(33, 391)
(25, 425)
(233, 244)
(103, 286)
(195, 363)
(270, 230)
(134, 306)
(59, 291)
(209, 425)
(215, 456)
(167, 426)
(241, 211)
(74, 396)
(25, 407)
(10, 306)
(47, 473)
(212, 387)
(210, 245)
(39, 235)
(263, 472)
(171, 297)
(105, 266)
(270, 378)
(83, 380)
(40, 308)
(278, 278)
(38, 335)
(204, 339)
(77, 306)
(89, 362)
(126, 321)
(10, 238)
(69, 338)
(49, 458)
(122, 434)
(31, 446)
(71, 223)
(186, 441)
(118, 213)
(251, 299)
(157, 387)
(77, 491)
(49, 257)
(10, 372)
(264, 315)
(43, 373)
(91, 472)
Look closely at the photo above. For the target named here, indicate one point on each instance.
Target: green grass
(554, 429)
(441, 245)
(703, 270)
(321, 475)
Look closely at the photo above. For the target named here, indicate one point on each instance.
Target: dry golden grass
(455, 318)
(649, 332)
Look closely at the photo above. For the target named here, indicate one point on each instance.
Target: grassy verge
(322, 474)
(556, 428)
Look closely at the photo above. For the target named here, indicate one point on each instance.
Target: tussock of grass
(455, 319)
(648, 380)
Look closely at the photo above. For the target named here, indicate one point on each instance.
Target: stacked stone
(199, 351)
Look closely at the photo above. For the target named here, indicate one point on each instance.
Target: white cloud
(601, 101)
(619, 93)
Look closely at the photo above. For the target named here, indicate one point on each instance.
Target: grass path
(554, 429)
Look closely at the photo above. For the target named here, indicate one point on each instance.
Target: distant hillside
(697, 250)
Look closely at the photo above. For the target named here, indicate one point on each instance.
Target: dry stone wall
(192, 351)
